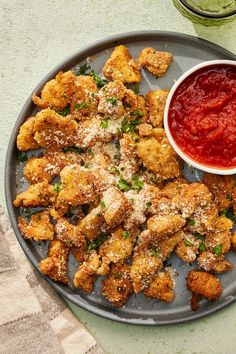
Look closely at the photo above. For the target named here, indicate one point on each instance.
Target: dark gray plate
(187, 51)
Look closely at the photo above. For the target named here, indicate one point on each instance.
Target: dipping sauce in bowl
(200, 116)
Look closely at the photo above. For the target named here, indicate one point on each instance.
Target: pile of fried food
(108, 187)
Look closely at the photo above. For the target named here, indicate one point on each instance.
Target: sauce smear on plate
(202, 116)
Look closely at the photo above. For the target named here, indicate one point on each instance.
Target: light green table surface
(34, 36)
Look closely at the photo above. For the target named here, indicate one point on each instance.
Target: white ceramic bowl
(181, 153)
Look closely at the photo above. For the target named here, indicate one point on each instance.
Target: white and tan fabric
(33, 318)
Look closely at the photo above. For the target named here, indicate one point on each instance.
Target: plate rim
(133, 36)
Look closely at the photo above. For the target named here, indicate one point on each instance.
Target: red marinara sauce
(202, 116)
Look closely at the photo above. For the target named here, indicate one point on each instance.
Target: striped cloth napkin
(33, 318)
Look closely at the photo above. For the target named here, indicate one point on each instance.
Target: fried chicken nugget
(69, 233)
(85, 276)
(167, 246)
(211, 262)
(110, 99)
(91, 132)
(39, 194)
(53, 130)
(156, 101)
(25, 139)
(222, 188)
(163, 226)
(221, 235)
(117, 286)
(154, 61)
(55, 265)
(135, 106)
(161, 287)
(187, 248)
(121, 66)
(57, 92)
(38, 228)
(158, 156)
(92, 224)
(204, 284)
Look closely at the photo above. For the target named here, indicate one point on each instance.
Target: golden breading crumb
(115, 206)
(204, 284)
(221, 234)
(144, 267)
(233, 241)
(85, 276)
(212, 262)
(85, 101)
(187, 248)
(57, 92)
(92, 224)
(158, 156)
(121, 66)
(110, 99)
(222, 188)
(53, 130)
(117, 247)
(162, 226)
(25, 139)
(156, 101)
(154, 61)
(144, 129)
(55, 265)
(117, 286)
(69, 233)
(135, 106)
(39, 194)
(161, 288)
(38, 228)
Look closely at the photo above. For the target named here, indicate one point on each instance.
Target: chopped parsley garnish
(104, 123)
(102, 203)
(90, 152)
(128, 127)
(21, 156)
(137, 113)
(123, 185)
(57, 187)
(155, 250)
(149, 204)
(95, 244)
(114, 170)
(68, 243)
(202, 247)
(188, 243)
(27, 213)
(229, 197)
(217, 250)
(191, 222)
(125, 234)
(74, 149)
(113, 100)
(83, 69)
(136, 88)
(64, 112)
(98, 215)
(137, 183)
(82, 105)
(127, 105)
(229, 214)
(86, 165)
(199, 236)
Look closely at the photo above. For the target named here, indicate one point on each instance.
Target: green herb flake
(229, 197)
(149, 204)
(113, 100)
(102, 203)
(21, 156)
(125, 234)
(99, 81)
(137, 183)
(217, 250)
(123, 185)
(86, 165)
(202, 247)
(104, 123)
(83, 69)
(136, 88)
(95, 244)
(64, 112)
(28, 213)
(191, 222)
(188, 243)
(82, 105)
(74, 149)
(229, 214)
(155, 250)
(199, 236)
(90, 152)
(137, 113)
(57, 187)
(98, 215)
(223, 212)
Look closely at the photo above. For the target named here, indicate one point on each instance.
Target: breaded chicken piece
(53, 130)
(158, 156)
(45, 168)
(135, 106)
(25, 139)
(156, 101)
(129, 161)
(203, 219)
(144, 129)
(117, 247)
(162, 226)
(55, 265)
(110, 99)
(69, 233)
(154, 61)
(39, 194)
(80, 253)
(91, 132)
(121, 66)
(146, 263)
(38, 228)
(173, 188)
(167, 246)
(221, 234)
(92, 224)
(222, 188)
(204, 284)
(188, 247)
(57, 92)
(117, 286)
(211, 262)
(115, 206)
(85, 276)
(233, 241)
(85, 101)
(161, 287)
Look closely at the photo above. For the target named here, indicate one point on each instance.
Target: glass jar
(207, 12)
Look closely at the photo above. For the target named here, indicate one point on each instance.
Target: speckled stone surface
(34, 37)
